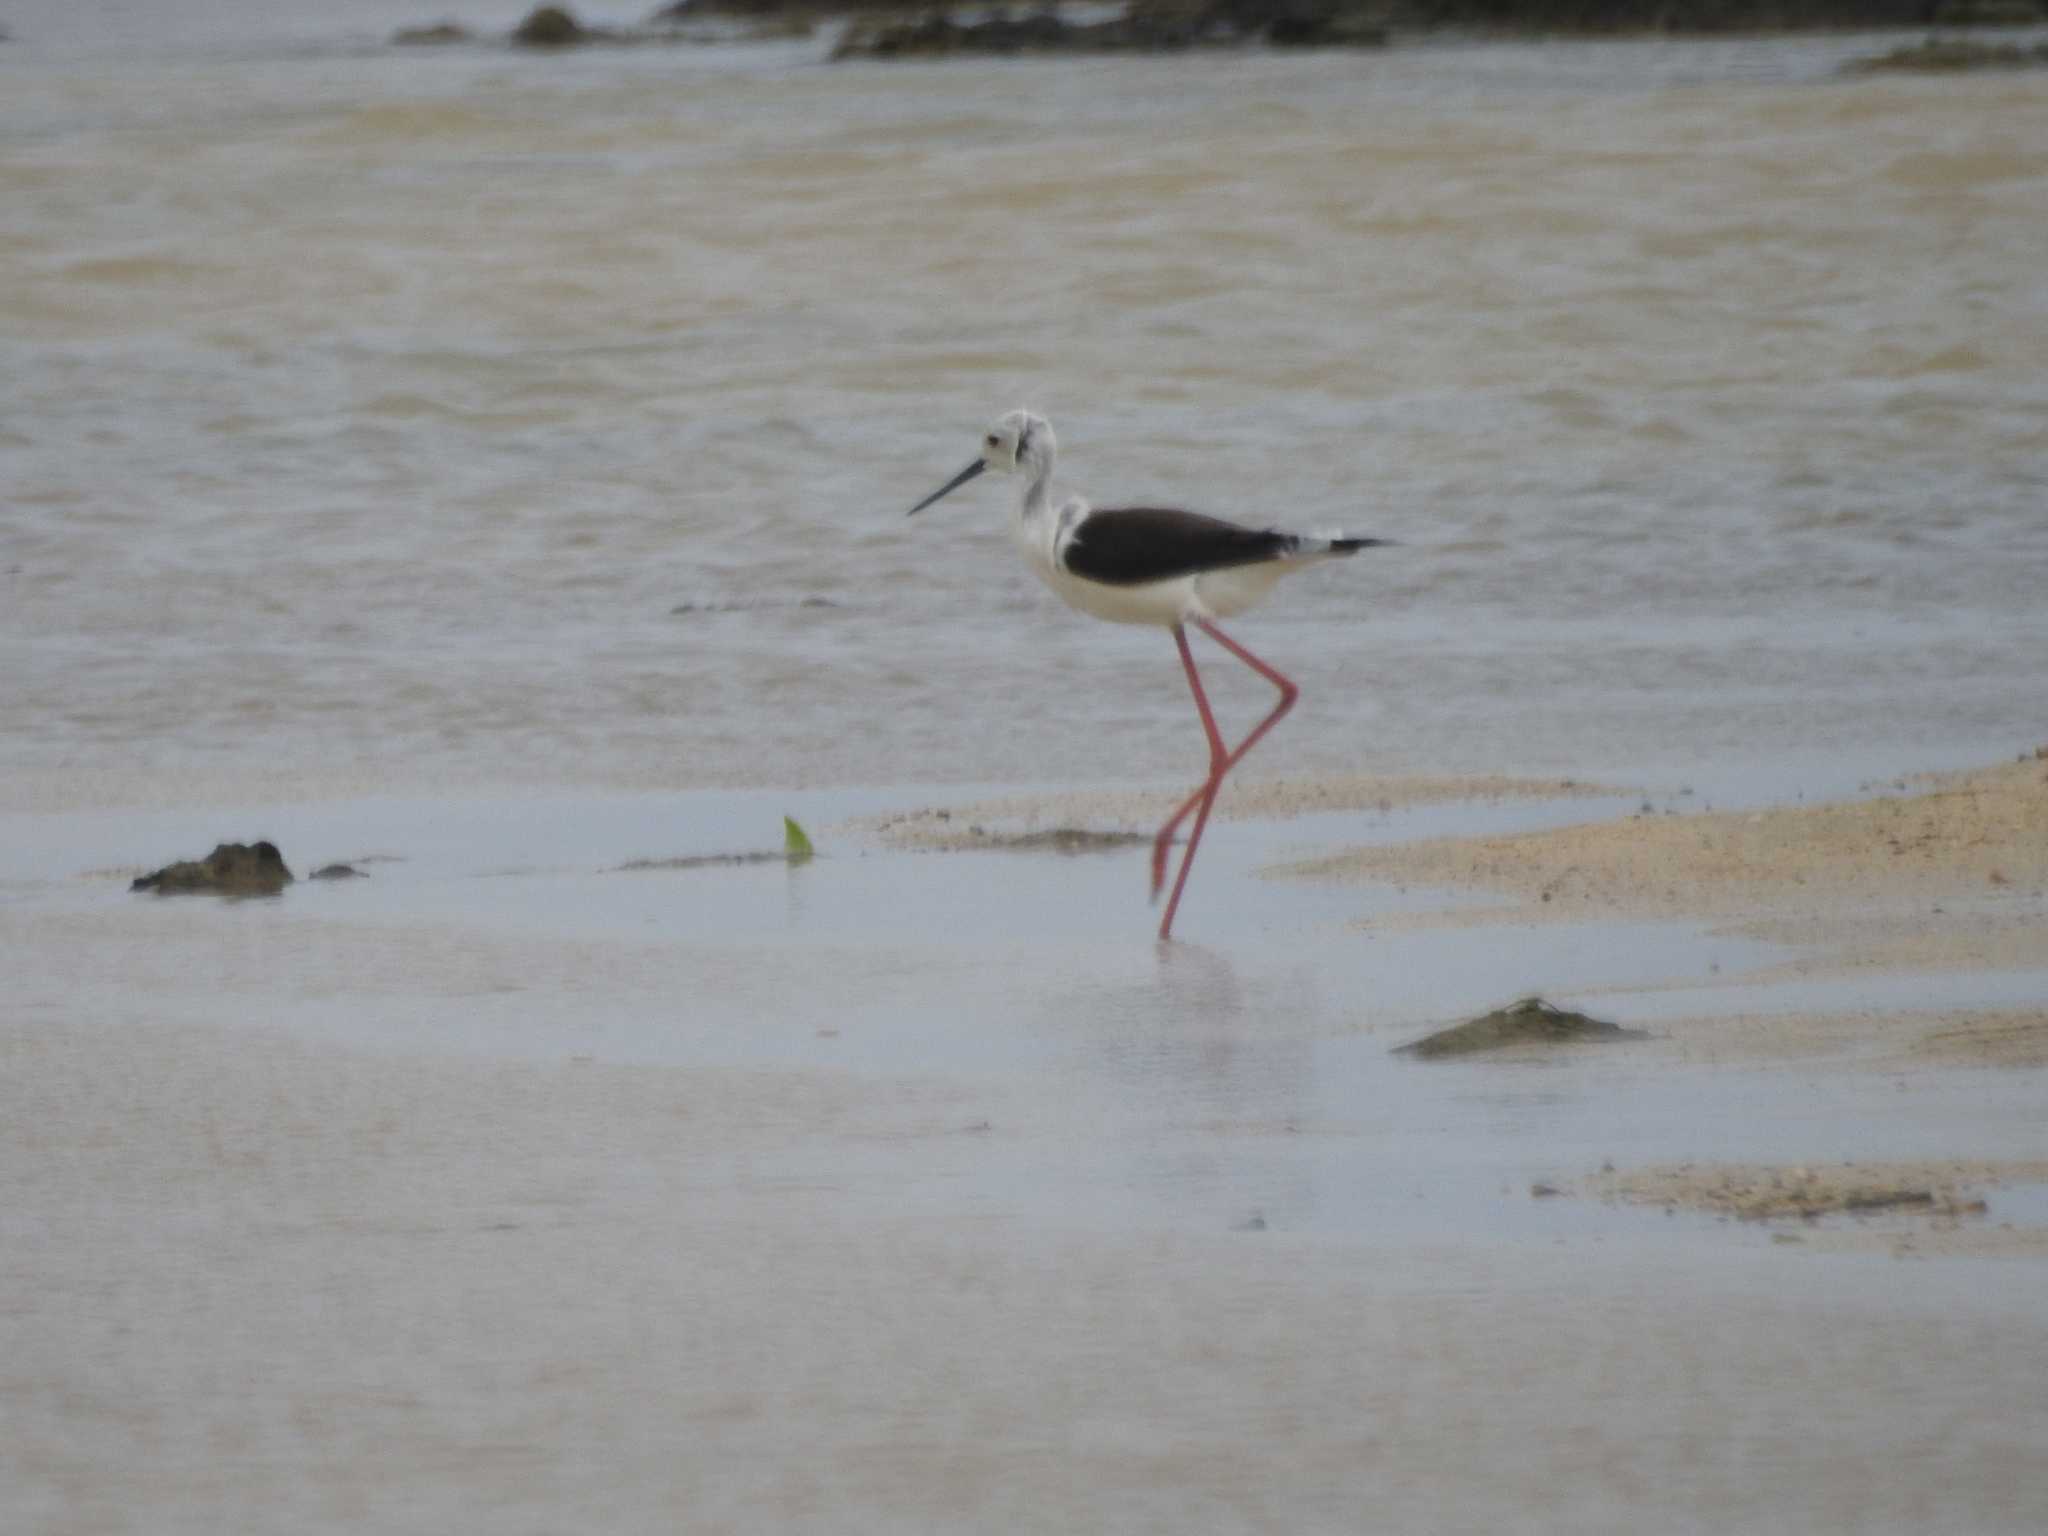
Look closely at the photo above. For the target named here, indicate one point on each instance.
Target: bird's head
(1014, 441)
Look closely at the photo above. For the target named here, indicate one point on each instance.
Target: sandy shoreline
(1950, 873)
(1979, 837)
(926, 1192)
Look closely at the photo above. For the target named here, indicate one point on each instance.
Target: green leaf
(794, 842)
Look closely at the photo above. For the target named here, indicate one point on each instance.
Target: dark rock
(936, 35)
(550, 26)
(1148, 26)
(1161, 25)
(1989, 13)
(1336, 31)
(1952, 55)
(1314, 23)
(232, 869)
(1608, 17)
(439, 32)
(1531, 1021)
(337, 872)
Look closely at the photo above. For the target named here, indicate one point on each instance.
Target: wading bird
(1151, 565)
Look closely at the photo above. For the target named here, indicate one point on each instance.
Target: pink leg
(1288, 694)
(1220, 762)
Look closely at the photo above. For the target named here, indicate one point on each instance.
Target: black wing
(1129, 546)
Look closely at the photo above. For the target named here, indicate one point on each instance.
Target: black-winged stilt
(1151, 565)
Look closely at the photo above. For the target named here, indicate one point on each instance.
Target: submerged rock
(1530, 1021)
(337, 872)
(232, 869)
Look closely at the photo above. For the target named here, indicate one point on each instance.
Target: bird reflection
(1211, 1085)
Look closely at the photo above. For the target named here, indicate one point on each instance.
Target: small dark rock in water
(337, 872)
(1531, 1021)
(439, 32)
(549, 26)
(232, 869)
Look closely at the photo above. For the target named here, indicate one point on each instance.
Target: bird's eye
(994, 441)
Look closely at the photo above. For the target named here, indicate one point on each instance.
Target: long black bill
(951, 485)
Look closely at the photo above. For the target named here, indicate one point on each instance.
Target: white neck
(1037, 498)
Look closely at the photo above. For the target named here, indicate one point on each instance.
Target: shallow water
(368, 414)
(441, 459)
(1243, 1070)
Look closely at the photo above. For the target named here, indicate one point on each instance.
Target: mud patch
(1859, 1039)
(1131, 816)
(1988, 1040)
(1948, 1191)
(708, 861)
(940, 833)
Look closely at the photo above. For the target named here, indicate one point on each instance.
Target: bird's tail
(1340, 544)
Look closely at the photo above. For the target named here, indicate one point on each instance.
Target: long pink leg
(1220, 762)
(1288, 694)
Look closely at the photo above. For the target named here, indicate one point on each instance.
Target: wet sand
(904, 1189)
(1978, 838)
(1878, 1039)
(260, 1285)
(1099, 817)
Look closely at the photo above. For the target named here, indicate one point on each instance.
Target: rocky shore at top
(898, 29)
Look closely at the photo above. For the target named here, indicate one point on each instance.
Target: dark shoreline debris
(895, 29)
(232, 869)
(1529, 1021)
(1146, 26)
